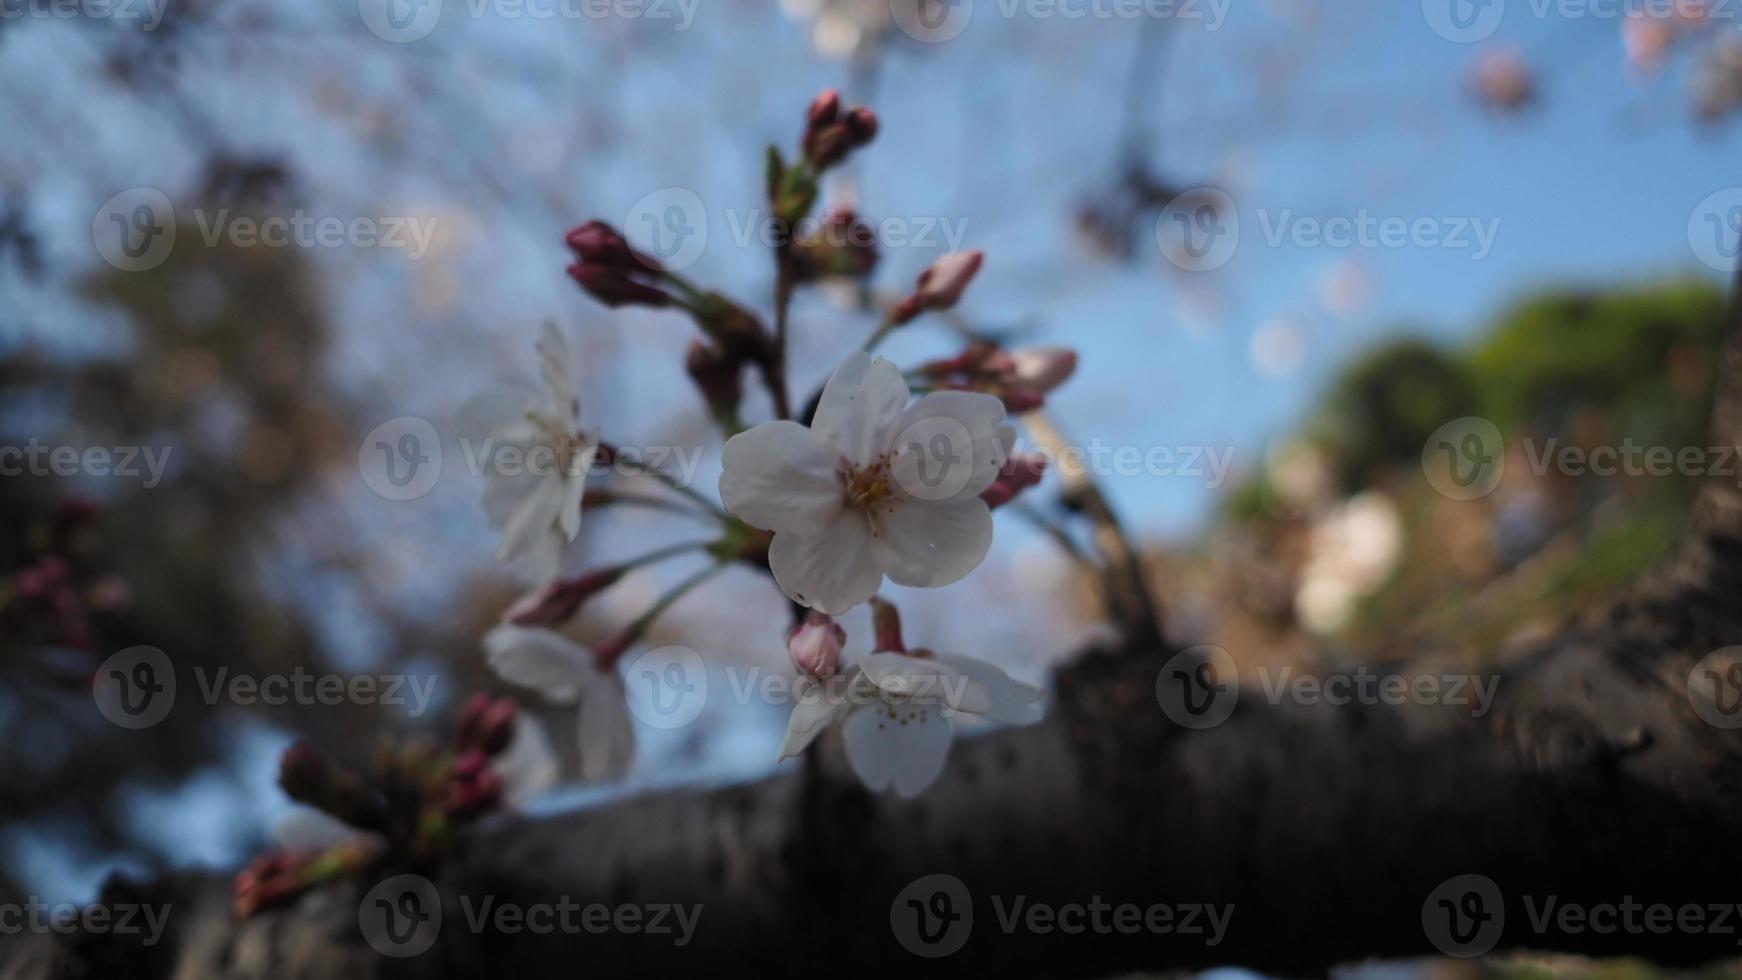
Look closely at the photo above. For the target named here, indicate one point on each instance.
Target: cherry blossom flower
(873, 487)
(895, 711)
(567, 673)
(537, 501)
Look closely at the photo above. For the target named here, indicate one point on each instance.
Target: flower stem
(641, 624)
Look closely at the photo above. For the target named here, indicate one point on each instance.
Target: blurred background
(1567, 173)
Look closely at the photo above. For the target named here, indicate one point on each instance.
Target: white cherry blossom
(536, 457)
(895, 711)
(874, 487)
(567, 673)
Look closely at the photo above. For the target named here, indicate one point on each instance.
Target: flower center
(867, 487)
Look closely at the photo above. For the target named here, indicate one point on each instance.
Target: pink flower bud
(942, 285)
(557, 601)
(470, 763)
(823, 109)
(613, 287)
(1021, 471)
(861, 125)
(496, 727)
(1044, 368)
(815, 645)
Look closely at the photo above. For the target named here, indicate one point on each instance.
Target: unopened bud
(613, 286)
(886, 627)
(941, 286)
(496, 728)
(815, 645)
(1020, 471)
(557, 601)
(719, 377)
(1044, 368)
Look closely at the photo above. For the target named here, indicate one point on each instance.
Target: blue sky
(509, 130)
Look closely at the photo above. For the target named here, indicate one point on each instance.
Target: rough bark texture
(1593, 780)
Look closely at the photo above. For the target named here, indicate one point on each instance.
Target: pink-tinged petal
(897, 747)
(1009, 701)
(541, 660)
(950, 446)
(926, 680)
(830, 572)
(780, 477)
(932, 545)
(607, 736)
(861, 407)
(812, 713)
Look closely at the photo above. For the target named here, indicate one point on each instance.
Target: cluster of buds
(830, 134)
(940, 286)
(815, 645)
(47, 599)
(1021, 379)
(844, 245)
(406, 812)
(612, 272)
(276, 878)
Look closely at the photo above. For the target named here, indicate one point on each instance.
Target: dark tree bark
(1592, 781)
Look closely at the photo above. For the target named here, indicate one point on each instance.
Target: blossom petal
(607, 736)
(1008, 700)
(950, 445)
(528, 766)
(897, 747)
(925, 680)
(830, 572)
(540, 659)
(812, 712)
(536, 515)
(930, 545)
(780, 477)
(861, 407)
(553, 369)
